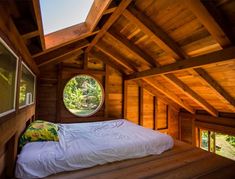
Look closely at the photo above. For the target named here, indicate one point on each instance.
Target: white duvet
(84, 145)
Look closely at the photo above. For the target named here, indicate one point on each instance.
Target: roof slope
(136, 36)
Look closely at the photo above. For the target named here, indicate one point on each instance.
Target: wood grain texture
(183, 160)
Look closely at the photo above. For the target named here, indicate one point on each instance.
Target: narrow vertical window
(8, 79)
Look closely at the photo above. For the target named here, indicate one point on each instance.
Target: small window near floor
(8, 79)
(27, 86)
(221, 144)
(83, 95)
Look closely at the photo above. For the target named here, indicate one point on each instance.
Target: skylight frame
(73, 33)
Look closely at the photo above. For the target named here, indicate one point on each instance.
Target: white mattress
(85, 145)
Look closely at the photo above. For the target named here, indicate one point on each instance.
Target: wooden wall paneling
(115, 94)
(162, 115)
(132, 102)
(173, 122)
(186, 127)
(148, 109)
(59, 94)
(11, 130)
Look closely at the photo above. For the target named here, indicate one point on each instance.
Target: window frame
(34, 85)
(16, 77)
(102, 98)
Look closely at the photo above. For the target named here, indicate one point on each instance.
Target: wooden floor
(183, 161)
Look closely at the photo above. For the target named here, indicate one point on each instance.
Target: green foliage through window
(83, 95)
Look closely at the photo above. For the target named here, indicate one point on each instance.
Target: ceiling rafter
(186, 64)
(191, 94)
(147, 26)
(56, 55)
(116, 14)
(133, 48)
(106, 59)
(157, 87)
(105, 48)
(208, 21)
(154, 32)
(222, 37)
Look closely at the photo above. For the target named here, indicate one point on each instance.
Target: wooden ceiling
(181, 50)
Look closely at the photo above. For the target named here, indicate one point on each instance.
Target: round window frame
(102, 98)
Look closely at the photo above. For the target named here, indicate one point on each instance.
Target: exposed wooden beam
(77, 40)
(151, 29)
(169, 94)
(84, 71)
(10, 32)
(208, 21)
(141, 106)
(186, 64)
(116, 14)
(224, 39)
(108, 50)
(30, 35)
(37, 10)
(191, 94)
(154, 32)
(106, 59)
(55, 55)
(133, 48)
(110, 10)
(216, 87)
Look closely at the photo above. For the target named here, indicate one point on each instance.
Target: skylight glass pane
(60, 14)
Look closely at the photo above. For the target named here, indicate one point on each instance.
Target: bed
(85, 145)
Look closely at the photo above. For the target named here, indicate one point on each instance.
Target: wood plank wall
(147, 110)
(13, 124)
(189, 125)
(51, 83)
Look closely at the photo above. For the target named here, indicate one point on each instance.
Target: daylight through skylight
(60, 14)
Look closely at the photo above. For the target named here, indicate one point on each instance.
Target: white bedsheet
(85, 145)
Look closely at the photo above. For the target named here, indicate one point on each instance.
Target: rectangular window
(27, 86)
(218, 143)
(8, 78)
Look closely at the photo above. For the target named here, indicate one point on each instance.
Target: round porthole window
(83, 95)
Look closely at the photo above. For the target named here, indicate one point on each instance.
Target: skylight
(60, 14)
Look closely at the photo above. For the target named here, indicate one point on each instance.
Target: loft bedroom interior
(117, 88)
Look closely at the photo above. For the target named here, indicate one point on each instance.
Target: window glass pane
(83, 95)
(204, 139)
(225, 145)
(27, 82)
(8, 68)
(212, 141)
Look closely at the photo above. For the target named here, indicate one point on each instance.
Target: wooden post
(154, 112)
(141, 100)
(106, 97)
(124, 98)
(59, 93)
